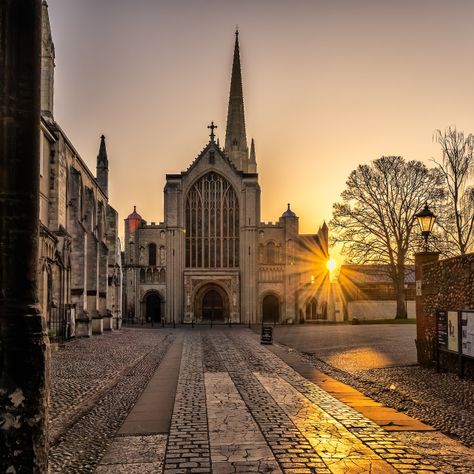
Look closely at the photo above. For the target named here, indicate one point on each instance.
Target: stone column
(24, 374)
(424, 323)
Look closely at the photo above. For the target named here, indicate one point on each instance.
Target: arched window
(270, 247)
(151, 255)
(212, 224)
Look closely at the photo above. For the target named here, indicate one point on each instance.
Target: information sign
(442, 330)
(453, 331)
(467, 333)
(267, 335)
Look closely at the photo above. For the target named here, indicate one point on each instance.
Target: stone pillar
(424, 323)
(24, 380)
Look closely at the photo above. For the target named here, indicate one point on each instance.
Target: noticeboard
(467, 333)
(453, 331)
(267, 335)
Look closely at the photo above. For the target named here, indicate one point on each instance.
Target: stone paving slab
(134, 454)
(236, 441)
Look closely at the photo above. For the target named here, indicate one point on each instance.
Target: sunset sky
(327, 85)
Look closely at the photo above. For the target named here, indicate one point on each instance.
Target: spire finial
(134, 208)
(212, 127)
(236, 30)
(289, 207)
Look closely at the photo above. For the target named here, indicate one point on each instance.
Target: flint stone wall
(447, 285)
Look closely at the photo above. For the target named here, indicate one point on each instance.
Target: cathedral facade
(212, 258)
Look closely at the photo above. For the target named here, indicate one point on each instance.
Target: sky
(328, 85)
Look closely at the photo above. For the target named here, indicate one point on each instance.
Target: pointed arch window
(212, 224)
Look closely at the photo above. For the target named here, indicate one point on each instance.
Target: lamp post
(426, 220)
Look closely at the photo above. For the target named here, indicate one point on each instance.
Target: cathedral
(212, 259)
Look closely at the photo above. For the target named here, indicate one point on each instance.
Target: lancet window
(212, 224)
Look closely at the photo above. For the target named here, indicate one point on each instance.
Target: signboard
(467, 333)
(442, 323)
(267, 335)
(418, 288)
(453, 331)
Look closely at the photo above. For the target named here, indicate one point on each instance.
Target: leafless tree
(375, 221)
(456, 216)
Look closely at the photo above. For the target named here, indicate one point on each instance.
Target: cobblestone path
(95, 383)
(238, 408)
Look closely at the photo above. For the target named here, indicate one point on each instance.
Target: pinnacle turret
(103, 167)
(236, 138)
(252, 159)
(47, 64)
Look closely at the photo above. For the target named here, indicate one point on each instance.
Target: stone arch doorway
(271, 309)
(152, 303)
(211, 304)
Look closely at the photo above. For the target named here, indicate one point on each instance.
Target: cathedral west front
(212, 258)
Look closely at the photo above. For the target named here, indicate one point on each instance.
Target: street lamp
(426, 220)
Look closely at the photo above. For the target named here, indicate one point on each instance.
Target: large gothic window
(212, 224)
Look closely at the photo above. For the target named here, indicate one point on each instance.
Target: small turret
(133, 220)
(103, 167)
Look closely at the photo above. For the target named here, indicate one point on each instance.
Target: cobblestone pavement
(238, 408)
(95, 382)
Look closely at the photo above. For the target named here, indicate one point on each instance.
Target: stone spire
(103, 167)
(235, 137)
(252, 160)
(47, 64)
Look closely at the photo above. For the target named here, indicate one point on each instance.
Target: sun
(331, 264)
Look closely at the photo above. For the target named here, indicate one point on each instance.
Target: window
(271, 253)
(151, 255)
(212, 224)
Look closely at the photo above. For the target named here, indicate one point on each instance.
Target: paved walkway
(216, 401)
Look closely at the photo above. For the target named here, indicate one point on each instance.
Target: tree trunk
(23, 340)
(400, 292)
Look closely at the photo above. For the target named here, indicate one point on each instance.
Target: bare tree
(457, 212)
(374, 223)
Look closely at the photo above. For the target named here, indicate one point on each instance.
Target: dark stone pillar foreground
(425, 323)
(23, 340)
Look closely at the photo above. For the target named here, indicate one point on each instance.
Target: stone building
(80, 279)
(212, 258)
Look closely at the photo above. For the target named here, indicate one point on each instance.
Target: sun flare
(331, 264)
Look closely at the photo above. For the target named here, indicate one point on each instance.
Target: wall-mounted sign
(418, 287)
(467, 333)
(453, 331)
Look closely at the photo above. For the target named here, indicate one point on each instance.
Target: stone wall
(377, 309)
(446, 285)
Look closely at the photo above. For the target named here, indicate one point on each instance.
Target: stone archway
(211, 303)
(271, 308)
(152, 305)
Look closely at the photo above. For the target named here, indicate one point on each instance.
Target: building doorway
(153, 307)
(271, 309)
(211, 304)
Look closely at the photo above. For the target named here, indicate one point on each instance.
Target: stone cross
(212, 127)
